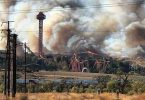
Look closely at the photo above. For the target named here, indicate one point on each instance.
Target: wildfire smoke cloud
(114, 27)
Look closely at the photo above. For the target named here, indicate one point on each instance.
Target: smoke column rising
(113, 27)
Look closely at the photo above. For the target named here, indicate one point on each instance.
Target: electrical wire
(83, 7)
(87, 32)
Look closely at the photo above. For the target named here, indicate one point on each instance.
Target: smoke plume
(113, 27)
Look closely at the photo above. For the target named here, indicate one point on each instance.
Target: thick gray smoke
(114, 27)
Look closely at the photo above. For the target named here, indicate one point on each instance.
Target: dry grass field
(73, 96)
(52, 75)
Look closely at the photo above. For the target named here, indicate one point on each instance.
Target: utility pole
(25, 62)
(25, 67)
(5, 80)
(14, 37)
(8, 58)
(10, 70)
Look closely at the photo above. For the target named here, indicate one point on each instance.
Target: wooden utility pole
(10, 70)
(8, 60)
(8, 57)
(14, 38)
(25, 68)
(25, 62)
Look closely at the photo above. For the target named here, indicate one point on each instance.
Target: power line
(14, 1)
(118, 4)
(85, 7)
(82, 32)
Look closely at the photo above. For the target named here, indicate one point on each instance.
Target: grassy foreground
(73, 96)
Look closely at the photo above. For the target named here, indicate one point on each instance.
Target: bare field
(60, 74)
(73, 96)
(76, 75)
(52, 75)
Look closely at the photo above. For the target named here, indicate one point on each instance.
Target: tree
(123, 81)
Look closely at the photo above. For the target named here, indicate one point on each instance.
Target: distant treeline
(59, 62)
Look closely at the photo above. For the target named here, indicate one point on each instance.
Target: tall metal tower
(40, 17)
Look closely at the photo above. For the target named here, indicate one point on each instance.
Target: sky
(112, 27)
